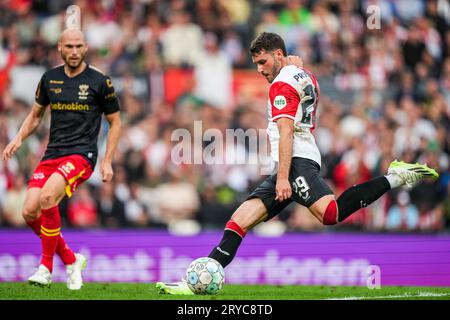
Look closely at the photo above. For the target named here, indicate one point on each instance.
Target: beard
(274, 72)
(72, 63)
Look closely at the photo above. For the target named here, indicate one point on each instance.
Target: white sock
(394, 180)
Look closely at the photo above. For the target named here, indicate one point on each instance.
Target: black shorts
(307, 187)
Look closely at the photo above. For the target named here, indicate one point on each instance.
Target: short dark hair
(267, 41)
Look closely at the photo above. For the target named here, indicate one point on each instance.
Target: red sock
(233, 226)
(62, 249)
(36, 225)
(50, 231)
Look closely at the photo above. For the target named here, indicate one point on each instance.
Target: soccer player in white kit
(292, 105)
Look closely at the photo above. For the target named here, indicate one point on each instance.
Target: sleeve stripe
(38, 105)
(283, 116)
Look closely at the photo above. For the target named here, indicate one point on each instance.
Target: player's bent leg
(53, 191)
(32, 216)
(325, 210)
(31, 212)
(51, 194)
(330, 211)
(248, 215)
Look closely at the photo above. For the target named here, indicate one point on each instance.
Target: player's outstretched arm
(106, 170)
(30, 124)
(296, 61)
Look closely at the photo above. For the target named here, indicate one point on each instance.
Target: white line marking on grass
(405, 295)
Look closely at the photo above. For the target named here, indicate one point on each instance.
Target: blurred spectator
(135, 212)
(295, 13)
(413, 48)
(52, 26)
(211, 201)
(182, 41)
(213, 74)
(409, 9)
(177, 201)
(122, 189)
(322, 20)
(446, 206)
(429, 196)
(437, 12)
(111, 210)
(402, 216)
(269, 23)
(13, 203)
(135, 165)
(207, 15)
(101, 31)
(352, 170)
(81, 209)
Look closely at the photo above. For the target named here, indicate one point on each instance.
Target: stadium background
(385, 94)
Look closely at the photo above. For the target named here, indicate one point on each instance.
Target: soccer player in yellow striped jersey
(77, 95)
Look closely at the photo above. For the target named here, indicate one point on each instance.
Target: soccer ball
(205, 276)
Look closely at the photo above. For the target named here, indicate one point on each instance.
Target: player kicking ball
(78, 95)
(293, 99)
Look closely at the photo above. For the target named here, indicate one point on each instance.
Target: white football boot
(74, 270)
(42, 277)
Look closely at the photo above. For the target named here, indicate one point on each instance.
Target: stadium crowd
(385, 94)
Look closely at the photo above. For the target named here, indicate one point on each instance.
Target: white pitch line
(405, 295)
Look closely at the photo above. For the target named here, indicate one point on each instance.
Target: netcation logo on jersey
(83, 93)
(74, 106)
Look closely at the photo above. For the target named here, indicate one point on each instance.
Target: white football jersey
(294, 94)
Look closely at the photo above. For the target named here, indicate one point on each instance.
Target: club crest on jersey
(67, 167)
(279, 102)
(83, 93)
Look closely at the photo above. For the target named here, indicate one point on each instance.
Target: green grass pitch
(140, 291)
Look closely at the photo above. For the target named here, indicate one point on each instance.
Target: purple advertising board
(297, 258)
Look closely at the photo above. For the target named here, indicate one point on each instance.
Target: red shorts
(74, 168)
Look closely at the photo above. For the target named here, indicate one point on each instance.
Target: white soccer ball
(205, 276)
